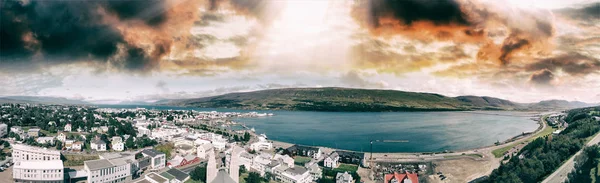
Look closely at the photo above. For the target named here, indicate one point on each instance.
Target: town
(56, 143)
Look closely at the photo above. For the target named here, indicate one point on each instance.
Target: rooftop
(152, 152)
(36, 149)
(40, 165)
(178, 174)
(222, 177)
(156, 177)
(98, 164)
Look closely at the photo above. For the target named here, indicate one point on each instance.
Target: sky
(107, 51)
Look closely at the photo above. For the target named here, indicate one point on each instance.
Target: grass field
(77, 160)
(301, 160)
(500, 151)
(346, 167)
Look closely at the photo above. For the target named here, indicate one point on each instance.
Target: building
(50, 171)
(34, 132)
(348, 157)
(153, 178)
(158, 159)
(113, 168)
(262, 144)
(401, 178)
(16, 129)
(117, 144)
(44, 140)
(62, 136)
(98, 145)
(30, 153)
(202, 150)
(178, 160)
(315, 171)
(77, 146)
(343, 178)
(67, 127)
(175, 175)
(332, 160)
(185, 147)
(296, 174)
(301, 150)
(3, 130)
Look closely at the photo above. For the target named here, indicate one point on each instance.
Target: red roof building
(401, 178)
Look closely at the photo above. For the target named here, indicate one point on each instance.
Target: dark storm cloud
(543, 78)
(511, 45)
(590, 11)
(440, 12)
(574, 64)
(57, 32)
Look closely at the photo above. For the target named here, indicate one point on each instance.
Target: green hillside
(345, 99)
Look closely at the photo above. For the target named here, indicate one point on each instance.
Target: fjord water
(414, 131)
(409, 131)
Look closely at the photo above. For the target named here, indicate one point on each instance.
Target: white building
(158, 159)
(332, 160)
(260, 162)
(105, 170)
(68, 127)
(314, 170)
(30, 153)
(202, 150)
(144, 131)
(297, 174)
(44, 140)
(262, 144)
(39, 171)
(285, 159)
(77, 146)
(98, 145)
(117, 144)
(343, 178)
(62, 136)
(3, 129)
(16, 129)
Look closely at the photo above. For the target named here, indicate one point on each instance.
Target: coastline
(538, 116)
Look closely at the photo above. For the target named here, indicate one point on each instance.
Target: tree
(111, 131)
(58, 145)
(199, 173)
(242, 169)
(246, 136)
(129, 143)
(254, 177)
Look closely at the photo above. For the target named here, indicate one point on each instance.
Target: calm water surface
(413, 131)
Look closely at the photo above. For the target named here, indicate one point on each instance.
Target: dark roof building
(178, 174)
(151, 152)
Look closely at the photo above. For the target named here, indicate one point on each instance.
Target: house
(16, 129)
(118, 145)
(260, 162)
(67, 127)
(153, 178)
(301, 150)
(296, 174)
(3, 129)
(202, 150)
(77, 146)
(98, 145)
(44, 140)
(68, 144)
(175, 175)
(314, 170)
(104, 129)
(343, 178)
(351, 157)
(332, 160)
(34, 132)
(62, 136)
(285, 159)
(401, 178)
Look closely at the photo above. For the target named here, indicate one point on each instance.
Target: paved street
(561, 173)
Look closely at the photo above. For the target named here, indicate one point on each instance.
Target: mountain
(41, 100)
(558, 105)
(346, 99)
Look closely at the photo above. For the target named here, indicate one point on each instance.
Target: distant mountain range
(334, 99)
(350, 99)
(41, 100)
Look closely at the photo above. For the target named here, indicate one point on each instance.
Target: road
(561, 173)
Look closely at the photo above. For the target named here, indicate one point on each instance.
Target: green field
(346, 167)
(301, 160)
(77, 160)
